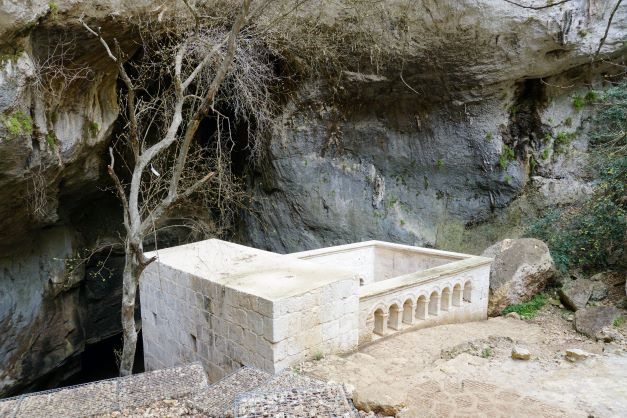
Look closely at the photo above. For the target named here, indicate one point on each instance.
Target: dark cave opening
(525, 129)
(98, 361)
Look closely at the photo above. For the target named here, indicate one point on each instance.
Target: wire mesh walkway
(246, 393)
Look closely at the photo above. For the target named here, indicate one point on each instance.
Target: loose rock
(520, 353)
(599, 291)
(513, 315)
(575, 294)
(596, 322)
(576, 354)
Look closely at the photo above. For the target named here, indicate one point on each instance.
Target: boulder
(521, 269)
(575, 294)
(597, 322)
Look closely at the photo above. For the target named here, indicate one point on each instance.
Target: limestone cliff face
(479, 109)
(439, 139)
(52, 201)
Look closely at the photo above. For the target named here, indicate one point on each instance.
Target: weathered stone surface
(576, 354)
(600, 291)
(520, 353)
(521, 269)
(575, 294)
(377, 160)
(596, 322)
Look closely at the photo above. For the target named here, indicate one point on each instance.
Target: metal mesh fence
(108, 395)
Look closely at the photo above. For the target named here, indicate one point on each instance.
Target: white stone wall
(392, 261)
(401, 306)
(186, 318)
(316, 323)
(356, 258)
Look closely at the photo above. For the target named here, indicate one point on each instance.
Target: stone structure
(227, 305)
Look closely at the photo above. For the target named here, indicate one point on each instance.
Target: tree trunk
(129, 290)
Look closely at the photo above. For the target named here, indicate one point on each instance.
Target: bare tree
(160, 131)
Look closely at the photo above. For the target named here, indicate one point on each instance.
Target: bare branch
(607, 29)
(164, 205)
(102, 41)
(221, 73)
(546, 6)
(120, 189)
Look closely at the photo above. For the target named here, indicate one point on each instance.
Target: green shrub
(618, 322)
(590, 234)
(578, 102)
(562, 141)
(507, 155)
(529, 309)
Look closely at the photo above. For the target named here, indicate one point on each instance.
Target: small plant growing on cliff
(507, 155)
(568, 121)
(591, 97)
(51, 140)
(489, 136)
(18, 123)
(53, 9)
(578, 102)
(439, 164)
(618, 322)
(562, 140)
(93, 129)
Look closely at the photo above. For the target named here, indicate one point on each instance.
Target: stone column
(408, 313)
(395, 319)
(381, 324)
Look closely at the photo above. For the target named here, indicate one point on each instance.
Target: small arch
(408, 311)
(445, 300)
(394, 319)
(379, 322)
(434, 303)
(457, 295)
(421, 307)
(468, 291)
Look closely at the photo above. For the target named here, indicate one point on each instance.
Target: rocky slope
(437, 139)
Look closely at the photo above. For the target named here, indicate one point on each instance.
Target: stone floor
(467, 370)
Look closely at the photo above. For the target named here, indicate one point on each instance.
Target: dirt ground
(467, 370)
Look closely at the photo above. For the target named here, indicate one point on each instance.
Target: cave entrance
(98, 361)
